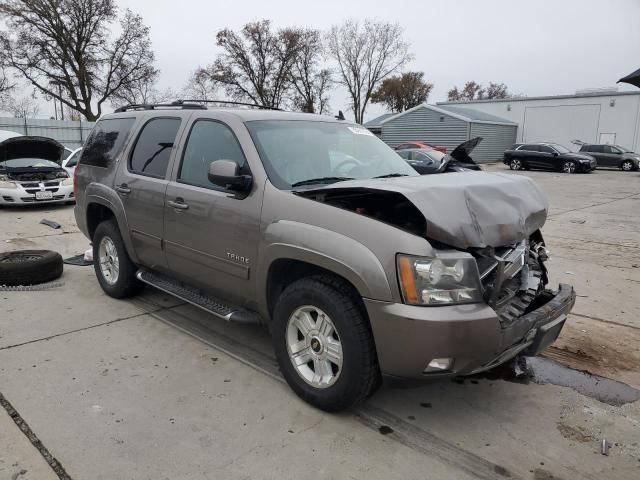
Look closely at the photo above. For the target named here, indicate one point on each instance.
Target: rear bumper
(408, 337)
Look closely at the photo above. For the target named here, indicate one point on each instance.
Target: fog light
(439, 365)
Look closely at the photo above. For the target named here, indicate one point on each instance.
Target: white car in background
(70, 163)
(31, 171)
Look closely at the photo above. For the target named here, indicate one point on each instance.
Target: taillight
(75, 182)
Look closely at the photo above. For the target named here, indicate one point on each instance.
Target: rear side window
(105, 142)
(529, 148)
(208, 141)
(153, 148)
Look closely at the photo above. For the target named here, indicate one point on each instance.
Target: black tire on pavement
(627, 166)
(359, 376)
(126, 283)
(569, 166)
(29, 267)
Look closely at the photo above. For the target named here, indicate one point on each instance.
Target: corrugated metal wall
(425, 125)
(70, 134)
(496, 139)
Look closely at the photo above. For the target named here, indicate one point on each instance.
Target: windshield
(559, 148)
(315, 152)
(28, 163)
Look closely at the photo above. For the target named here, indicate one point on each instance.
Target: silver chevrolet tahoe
(360, 267)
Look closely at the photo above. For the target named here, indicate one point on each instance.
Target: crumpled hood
(465, 209)
(31, 147)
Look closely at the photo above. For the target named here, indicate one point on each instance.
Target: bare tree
(23, 107)
(402, 92)
(256, 63)
(366, 54)
(143, 92)
(474, 91)
(497, 90)
(5, 85)
(64, 49)
(311, 83)
(200, 86)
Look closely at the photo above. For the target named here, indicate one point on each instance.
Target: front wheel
(515, 164)
(627, 165)
(569, 166)
(324, 344)
(115, 271)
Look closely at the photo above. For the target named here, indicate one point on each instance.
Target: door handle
(178, 204)
(123, 188)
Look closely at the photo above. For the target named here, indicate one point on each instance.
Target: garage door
(561, 124)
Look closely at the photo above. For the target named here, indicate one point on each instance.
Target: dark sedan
(548, 156)
(613, 156)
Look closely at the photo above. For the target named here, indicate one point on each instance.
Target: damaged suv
(360, 267)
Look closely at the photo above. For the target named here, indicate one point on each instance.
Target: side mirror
(226, 174)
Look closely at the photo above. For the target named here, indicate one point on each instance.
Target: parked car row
(552, 156)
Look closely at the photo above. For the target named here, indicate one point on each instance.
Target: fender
(326, 249)
(103, 195)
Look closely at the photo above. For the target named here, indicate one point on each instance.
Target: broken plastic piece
(604, 447)
(50, 223)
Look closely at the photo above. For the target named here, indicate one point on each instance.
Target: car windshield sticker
(360, 131)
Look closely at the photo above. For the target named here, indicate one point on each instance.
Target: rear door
(529, 154)
(141, 183)
(212, 234)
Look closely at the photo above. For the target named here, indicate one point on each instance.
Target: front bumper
(27, 196)
(409, 337)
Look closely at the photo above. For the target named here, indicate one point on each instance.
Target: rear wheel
(323, 343)
(627, 165)
(569, 166)
(515, 164)
(114, 269)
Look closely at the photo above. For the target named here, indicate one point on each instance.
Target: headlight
(449, 278)
(67, 182)
(5, 183)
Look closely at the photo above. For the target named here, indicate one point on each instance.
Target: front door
(141, 183)
(212, 234)
(610, 156)
(547, 159)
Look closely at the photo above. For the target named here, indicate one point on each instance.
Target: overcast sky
(536, 47)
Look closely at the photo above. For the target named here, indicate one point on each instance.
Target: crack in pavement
(8, 347)
(597, 319)
(594, 205)
(24, 427)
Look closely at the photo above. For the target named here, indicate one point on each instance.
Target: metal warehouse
(448, 126)
(591, 116)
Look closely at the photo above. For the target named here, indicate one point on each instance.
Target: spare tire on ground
(29, 267)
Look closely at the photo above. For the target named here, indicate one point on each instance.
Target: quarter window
(153, 148)
(105, 141)
(208, 141)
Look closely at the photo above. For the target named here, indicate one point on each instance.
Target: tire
(569, 166)
(121, 281)
(29, 267)
(627, 166)
(515, 164)
(340, 320)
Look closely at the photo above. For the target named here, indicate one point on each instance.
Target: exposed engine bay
(36, 176)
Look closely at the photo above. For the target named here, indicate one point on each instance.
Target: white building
(595, 116)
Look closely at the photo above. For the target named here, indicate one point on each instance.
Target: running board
(197, 298)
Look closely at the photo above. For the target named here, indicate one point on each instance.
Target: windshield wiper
(391, 175)
(313, 181)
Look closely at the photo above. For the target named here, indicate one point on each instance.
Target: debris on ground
(50, 223)
(78, 260)
(604, 447)
(581, 221)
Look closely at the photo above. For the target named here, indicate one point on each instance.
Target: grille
(511, 281)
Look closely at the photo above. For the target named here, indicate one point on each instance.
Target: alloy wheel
(627, 166)
(314, 346)
(569, 167)
(515, 164)
(109, 262)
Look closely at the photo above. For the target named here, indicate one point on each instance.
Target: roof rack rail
(226, 102)
(153, 106)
